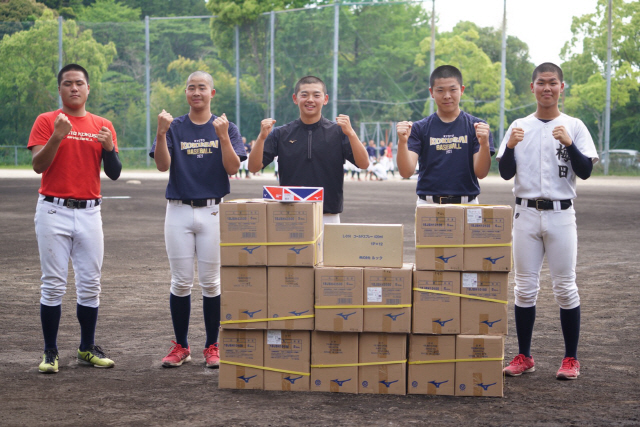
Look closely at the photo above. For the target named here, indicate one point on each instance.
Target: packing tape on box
(264, 368)
(312, 242)
(461, 295)
(470, 245)
(480, 359)
(364, 306)
(267, 319)
(343, 365)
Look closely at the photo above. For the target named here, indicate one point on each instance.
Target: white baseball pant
(536, 233)
(64, 233)
(191, 233)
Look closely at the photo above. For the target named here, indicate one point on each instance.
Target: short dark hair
(307, 80)
(546, 67)
(72, 67)
(445, 72)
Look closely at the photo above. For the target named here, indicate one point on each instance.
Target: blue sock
(211, 310)
(88, 317)
(570, 321)
(525, 319)
(180, 312)
(50, 319)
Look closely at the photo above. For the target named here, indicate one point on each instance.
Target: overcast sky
(545, 25)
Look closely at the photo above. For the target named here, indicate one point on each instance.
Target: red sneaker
(519, 365)
(570, 369)
(212, 356)
(177, 356)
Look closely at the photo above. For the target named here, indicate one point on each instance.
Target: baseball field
(134, 324)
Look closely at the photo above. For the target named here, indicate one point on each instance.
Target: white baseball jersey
(543, 166)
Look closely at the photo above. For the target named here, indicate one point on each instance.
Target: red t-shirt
(75, 170)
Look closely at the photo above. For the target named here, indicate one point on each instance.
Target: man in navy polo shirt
(311, 150)
(201, 151)
(454, 148)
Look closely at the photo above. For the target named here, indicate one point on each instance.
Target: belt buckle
(71, 203)
(538, 201)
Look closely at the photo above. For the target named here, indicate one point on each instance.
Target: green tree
(18, 15)
(585, 65)
(28, 84)
(108, 11)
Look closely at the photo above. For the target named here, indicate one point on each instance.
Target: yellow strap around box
(363, 306)
(461, 296)
(485, 359)
(313, 242)
(264, 368)
(267, 319)
(343, 365)
(488, 245)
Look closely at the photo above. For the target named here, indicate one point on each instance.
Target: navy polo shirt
(196, 170)
(445, 153)
(311, 156)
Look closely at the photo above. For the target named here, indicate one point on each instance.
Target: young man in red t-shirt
(67, 148)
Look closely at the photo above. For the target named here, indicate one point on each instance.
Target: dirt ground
(135, 328)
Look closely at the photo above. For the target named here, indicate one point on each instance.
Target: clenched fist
(517, 135)
(265, 128)
(62, 126)
(404, 130)
(164, 122)
(221, 125)
(482, 133)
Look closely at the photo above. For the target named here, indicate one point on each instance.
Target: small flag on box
(293, 194)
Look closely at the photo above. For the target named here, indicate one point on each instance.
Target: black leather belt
(199, 203)
(73, 203)
(455, 200)
(544, 204)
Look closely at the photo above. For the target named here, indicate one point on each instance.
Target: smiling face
(74, 91)
(310, 99)
(547, 88)
(446, 93)
(199, 93)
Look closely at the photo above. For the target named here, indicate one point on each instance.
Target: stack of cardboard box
(363, 307)
(268, 251)
(463, 259)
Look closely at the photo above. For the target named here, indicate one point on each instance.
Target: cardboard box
(246, 347)
(243, 227)
(435, 313)
(478, 317)
(334, 348)
(293, 233)
(488, 225)
(435, 378)
(289, 351)
(338, 286)
(384, 378)
(388, 286)
(244, 297)
(290, 293)
(482, 378)
(292, 194)
(363, 245)
(438, 226)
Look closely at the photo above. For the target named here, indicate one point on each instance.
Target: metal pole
(503, 71)
(147, 67)
(272, 80)
(59, 53)
(336, 47)
(15, 154)
(433, 48)
(607, 105)
(238, 78)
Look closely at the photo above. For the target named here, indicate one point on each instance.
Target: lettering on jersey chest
(199, 147)
(448, 143)
(82, 136)
(562, 154)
